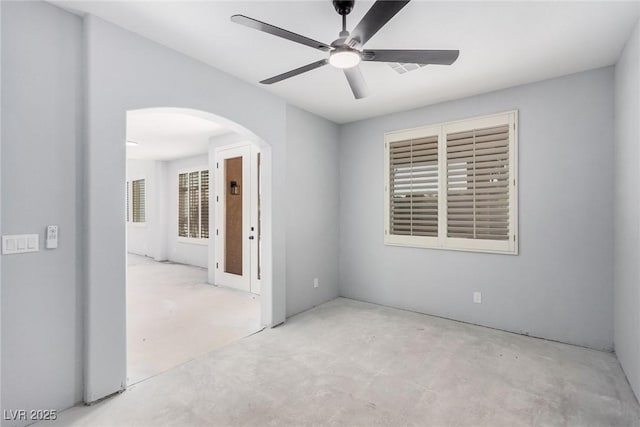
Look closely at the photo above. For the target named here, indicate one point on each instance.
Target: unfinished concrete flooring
(173, 316)
(348, 363)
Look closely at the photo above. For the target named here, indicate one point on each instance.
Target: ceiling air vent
(404, 68)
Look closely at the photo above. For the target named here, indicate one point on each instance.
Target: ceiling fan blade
(380, 13)
(442, 57)
(295, 72)
(276, 31)
(356, 81)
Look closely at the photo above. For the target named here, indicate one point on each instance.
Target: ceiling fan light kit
(346, 52)
(344, 57)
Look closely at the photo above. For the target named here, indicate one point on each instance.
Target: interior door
(237, 218)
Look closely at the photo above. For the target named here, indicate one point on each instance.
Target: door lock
(251, 237)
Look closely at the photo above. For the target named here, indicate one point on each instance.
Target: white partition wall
(156, 76)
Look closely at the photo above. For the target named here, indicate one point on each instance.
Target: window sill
(492, 247)
(193, 241)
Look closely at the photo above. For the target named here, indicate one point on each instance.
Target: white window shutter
(204, 204)
(193, 205)
(478, 183)
(413, 186)
(138, 200)
(452, 185)
(183, 204)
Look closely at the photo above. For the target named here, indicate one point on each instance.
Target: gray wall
(312, 214)
(67, 101)
(41, 296)
(627, 210)
(155, 76)
(1, 378)
(560, 286)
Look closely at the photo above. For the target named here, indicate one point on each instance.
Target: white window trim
(127, 201)
(508, 247)
(193, 240)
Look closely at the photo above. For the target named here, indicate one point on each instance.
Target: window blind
(478, 183)
(183, 203)
(413, 186)
(204, 204)
(453, 185)
(194, 204)
(138, 196)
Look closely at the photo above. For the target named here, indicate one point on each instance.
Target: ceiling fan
(347, 51)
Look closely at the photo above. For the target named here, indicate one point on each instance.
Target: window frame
(130, 209)
(127, 201)
(193, 240)
(442, 241)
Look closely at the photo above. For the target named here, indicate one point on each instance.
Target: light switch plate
(51, 241)
(20, 243)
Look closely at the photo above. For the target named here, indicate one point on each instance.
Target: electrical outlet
(316, 282)
(477, 297)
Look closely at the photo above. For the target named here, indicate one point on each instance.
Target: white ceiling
(169, 135)
(502, 44)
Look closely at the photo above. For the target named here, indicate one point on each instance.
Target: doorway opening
(238, 231)
(179, 306)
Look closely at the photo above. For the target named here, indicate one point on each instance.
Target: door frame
(104, 261)
(249, 153)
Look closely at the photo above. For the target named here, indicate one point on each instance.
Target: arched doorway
(105, 308)
(181, 242)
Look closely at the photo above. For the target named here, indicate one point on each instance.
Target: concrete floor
(357, 364)
(173, 316)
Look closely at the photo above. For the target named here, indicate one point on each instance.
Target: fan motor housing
(343, 7)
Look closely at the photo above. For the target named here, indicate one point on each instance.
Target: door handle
(251, 237)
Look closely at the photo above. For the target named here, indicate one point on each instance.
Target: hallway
(174, 316)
